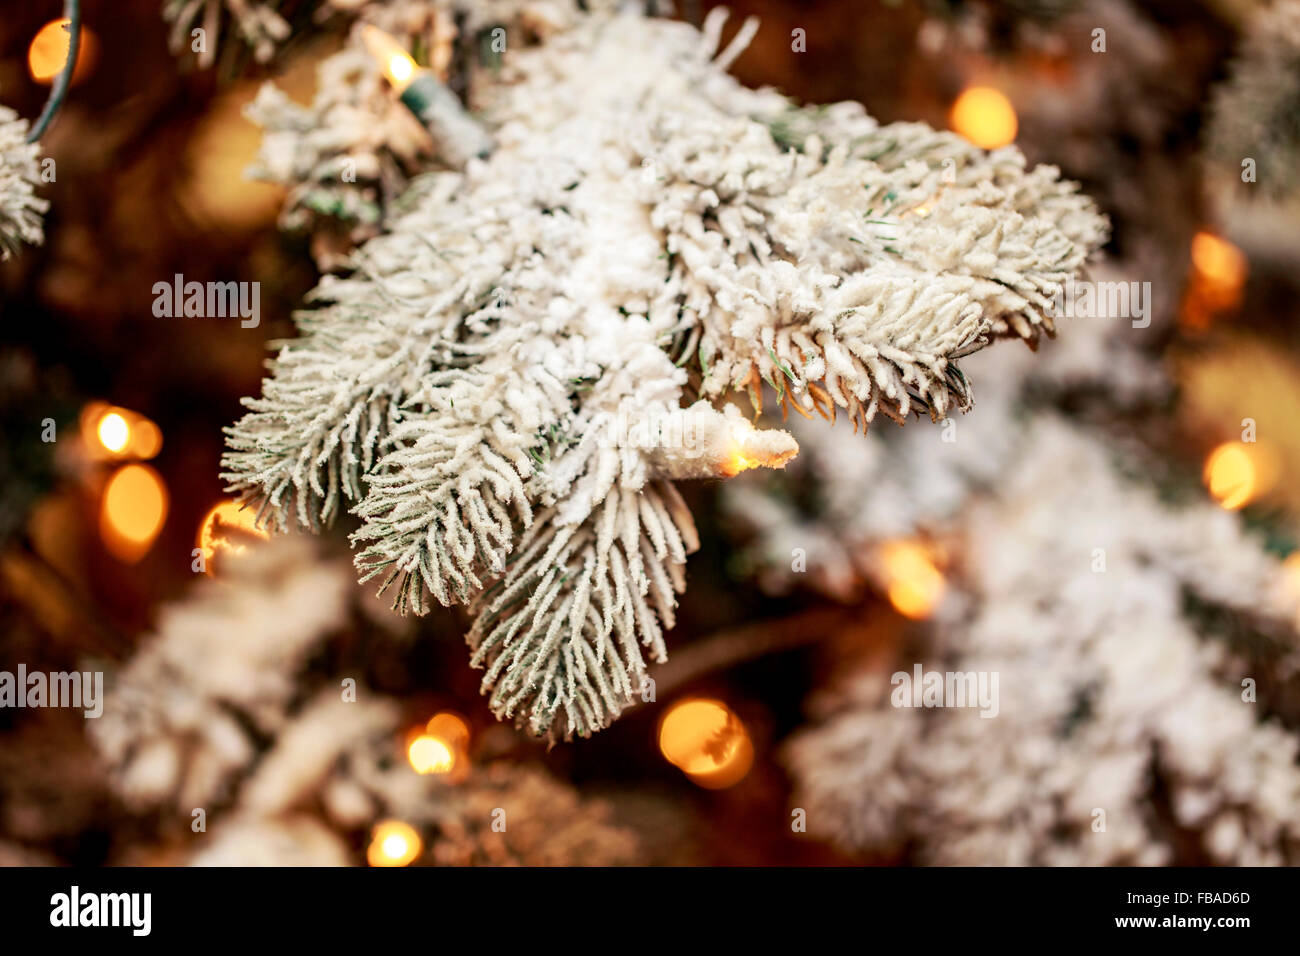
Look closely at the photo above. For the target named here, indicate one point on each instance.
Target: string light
(146, 439)
(915, 586)
(707, 742)
(397, 66)
(429, 754)
(227, 529)
(984, 116)
(1237, 473)
(132, 512)
(458, 135)
(112, 432)
(1218, 276)
(1218, 261)
(393, 843)
(450, 728)
(48, 52)
(442, 747)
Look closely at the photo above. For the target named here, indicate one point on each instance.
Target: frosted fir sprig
(20, 207)
(486, 390)
(197, 24)
(232, 706)
(344, 159)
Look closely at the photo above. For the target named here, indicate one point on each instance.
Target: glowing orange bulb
(429, 754)
(400, 69)
(48, 52)
(736, 462)
(113, 432)
(914, 584)
(985, 117)
(146, 439)
(133, 511)
(227, 529)
(393, 843)
(1218, 262)
(707, 742)
(449, 727)
(109, 432)
(1233, 475)
(396, 63)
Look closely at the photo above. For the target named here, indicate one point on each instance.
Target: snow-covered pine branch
(20, 207)
(643, 237)
(236, 707)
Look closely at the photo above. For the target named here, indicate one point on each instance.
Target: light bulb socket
(458, 136)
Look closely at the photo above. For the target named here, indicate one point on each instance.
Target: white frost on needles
(20, 207)
(1113, 696)
(647, 233)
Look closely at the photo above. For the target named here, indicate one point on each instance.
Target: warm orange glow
(914, 584)
(146, 439)
(984, 116)
(1236, 473)
(113, 432)
(1216, 281)
(440, 747)
(736, 462)
(429, 754)
(49, 52)
(922, 210)
(393, 843)
(451, 728)
(395, 62)
(1218, 261)
(707, 742)
(132, 512)
(227, 529)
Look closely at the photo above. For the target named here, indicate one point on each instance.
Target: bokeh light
(1215, 283)
(707, 742)
(440, 747)
(1237, 473)
(228, 528)
(49, 52)
(984, 116)
(1218, 262)
(428, 754)
(113, 432)
(914, 585)
(132, 512)
(146, 439)
(393, 843)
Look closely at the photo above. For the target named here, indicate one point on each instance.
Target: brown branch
(110, 641)
(728, 648)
